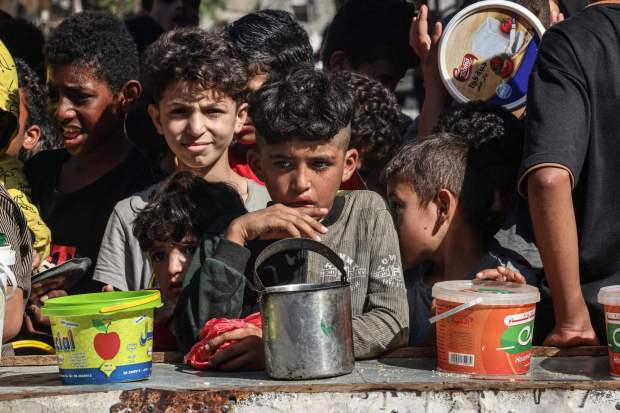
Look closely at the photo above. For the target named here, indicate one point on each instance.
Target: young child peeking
(440, 202)
(170, 227)
(302, 122)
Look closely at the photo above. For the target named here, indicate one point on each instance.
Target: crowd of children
(248, 142)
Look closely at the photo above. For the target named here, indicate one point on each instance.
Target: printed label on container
(100, 349)
(612, 318)
(485, 340)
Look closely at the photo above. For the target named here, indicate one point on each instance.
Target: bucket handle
(455, 310)
(135, 303)
(11, 279)
(288, 244)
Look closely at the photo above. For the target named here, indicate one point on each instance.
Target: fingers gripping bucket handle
(307, 328)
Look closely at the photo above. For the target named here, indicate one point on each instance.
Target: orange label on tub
(485, 339)
(612, 320)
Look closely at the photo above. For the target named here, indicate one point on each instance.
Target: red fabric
(354, 183)
(239, 163)
(198, 357)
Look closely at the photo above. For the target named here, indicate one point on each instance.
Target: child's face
(198, 125)
(82, 107)
(247, 134)
(301, 173)
(416, 224)
(169, 263)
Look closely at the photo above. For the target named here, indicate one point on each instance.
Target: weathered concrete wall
(524, 401)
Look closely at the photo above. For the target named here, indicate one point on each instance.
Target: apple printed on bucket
(106, 343)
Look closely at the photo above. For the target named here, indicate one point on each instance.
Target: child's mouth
(197, 146)
(71, 136)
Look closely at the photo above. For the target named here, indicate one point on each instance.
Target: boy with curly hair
(374, 129)
(169, 228)
(302, 120)
(198, 87)
(92, 66)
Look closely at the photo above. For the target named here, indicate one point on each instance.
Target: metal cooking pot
(307, 328)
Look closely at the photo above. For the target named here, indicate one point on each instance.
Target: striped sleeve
(13, 225)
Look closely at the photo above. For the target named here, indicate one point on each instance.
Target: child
(269, 41)
(440, 200)
(35, 133)
(12, 222)
(199, 90)
(12, 176)
(570, 170)
(92, 81)
(374, 129)
(302, 124)
(169, 228)
(371, 37)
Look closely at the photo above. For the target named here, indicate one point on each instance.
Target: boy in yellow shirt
(12, 176)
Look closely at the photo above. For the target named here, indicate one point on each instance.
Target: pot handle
(288, 244)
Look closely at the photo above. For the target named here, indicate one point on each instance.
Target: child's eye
(157, 256)
(189, 250)
(320, 165)
(178, 112)
(282, 164)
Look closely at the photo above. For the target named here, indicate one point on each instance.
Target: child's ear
(351, 158)
(31, 137)
(242, 115)
(339, 61)
(155, 117)
(129, 94)
(445, 202)
(253, 158)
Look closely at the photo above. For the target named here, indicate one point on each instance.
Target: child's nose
(175, 266)
(64, 110)
(196, 126)
(301, 183)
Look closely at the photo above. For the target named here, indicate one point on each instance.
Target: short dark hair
(99, 41)
(370, 30)
(270, 41)
(144, 30)
(376, 119)
(24, 41)
(196, 56)
(185, 205)
(303, 104)
(35, 100)
(445, 161)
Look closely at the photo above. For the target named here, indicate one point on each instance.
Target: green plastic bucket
(103, 337)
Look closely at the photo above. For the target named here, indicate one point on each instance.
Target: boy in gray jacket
(302, 120)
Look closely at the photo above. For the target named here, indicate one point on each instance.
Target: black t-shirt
(78, 219)
(573, 120)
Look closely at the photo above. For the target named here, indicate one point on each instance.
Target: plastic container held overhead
(103, 337)
(610, 298)
(487, 53)
(484, 328)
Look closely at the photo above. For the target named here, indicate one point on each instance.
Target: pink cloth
(198, 357)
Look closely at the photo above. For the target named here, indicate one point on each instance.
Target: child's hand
(501, 274)
(425, 45)
(247, 354)
(275, 222)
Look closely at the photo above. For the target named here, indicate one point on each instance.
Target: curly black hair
(304, 104)
(196, 56)
(489, 128)
(270, 41)
(35, 100)
(185, 206)
(25, 41)
(376, 120)
(370, 30)
(99, 41)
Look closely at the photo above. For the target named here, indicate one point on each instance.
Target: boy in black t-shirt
(92, 81)
(571, 168)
